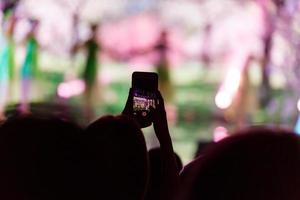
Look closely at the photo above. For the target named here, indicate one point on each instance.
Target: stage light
(232, 80)
(229, 88)
(223, 100)
(297, 126)
(220, 133)
(298, 105)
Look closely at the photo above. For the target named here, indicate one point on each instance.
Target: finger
(160, 101)
(153, 114)
(128, 109)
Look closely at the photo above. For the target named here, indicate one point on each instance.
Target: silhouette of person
(39, 158)
(115, 162)
(256, 163)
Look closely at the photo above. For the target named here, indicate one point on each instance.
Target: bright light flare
(220, 133)
(229, 89)
(298, 105)
(223, 100)
(71, 88)
(232, 80)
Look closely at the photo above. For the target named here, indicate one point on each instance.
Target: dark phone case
(145, 80)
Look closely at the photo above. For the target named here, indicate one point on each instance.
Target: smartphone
(144, 86)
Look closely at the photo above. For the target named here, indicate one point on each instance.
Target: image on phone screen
(143, 102)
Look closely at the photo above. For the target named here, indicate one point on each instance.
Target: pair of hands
(158, 115)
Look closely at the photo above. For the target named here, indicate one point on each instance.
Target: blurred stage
(230, 64)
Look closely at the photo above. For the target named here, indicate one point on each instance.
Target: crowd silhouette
(46, 156)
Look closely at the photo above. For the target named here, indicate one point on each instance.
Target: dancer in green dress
(162, 67)
(7, 49)
(162, 64)
(29, 70)
(91, 68)
(90, 71)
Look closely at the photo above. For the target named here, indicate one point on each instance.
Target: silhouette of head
(255, 164)
(116, 159)
(94, 27)
(37, 156)
(34, 23)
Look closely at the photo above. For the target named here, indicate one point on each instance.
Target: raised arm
(169, 171)
(170, 179)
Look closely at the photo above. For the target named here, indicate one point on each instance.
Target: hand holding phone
(146, 105)
(144, 88)
(142, 97)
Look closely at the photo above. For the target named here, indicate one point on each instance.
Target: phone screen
(143, 101)
(144, 85)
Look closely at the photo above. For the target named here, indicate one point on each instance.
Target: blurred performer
(206, 47)
(90, 71)
(162, 64)
(7, 49)
(75, 37)
(29, 71)
(162, 67)
(162, 48)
